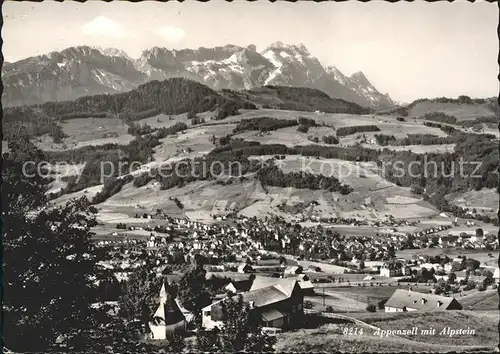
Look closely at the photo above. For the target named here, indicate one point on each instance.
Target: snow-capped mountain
(84, 70)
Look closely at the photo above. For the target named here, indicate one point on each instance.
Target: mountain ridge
(85, 70)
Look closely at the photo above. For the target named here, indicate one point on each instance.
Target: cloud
(103, 26)
(171, 34)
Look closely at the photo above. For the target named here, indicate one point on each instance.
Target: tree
(452, 277)
(49, 260)
(208, 341)
(308, 304)
(371, 308)
(479, 232)
(472, 264)
(242, 329)
(193, 291)
(381, 304)
(282, 260)
(139, 298)
(176, 343)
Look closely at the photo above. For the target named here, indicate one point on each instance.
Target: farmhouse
(239, 286)
(277, 304)
(245, 268)
(391, 269)
(403, 300)
(293, 270)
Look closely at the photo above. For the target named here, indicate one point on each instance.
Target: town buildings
(278, 302)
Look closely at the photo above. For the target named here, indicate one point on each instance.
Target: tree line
(274, 176)
(440, 117)
(308, 100)
(343, 131)
(264, 124)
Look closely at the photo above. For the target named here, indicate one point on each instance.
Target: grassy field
(417, 149)
(486, 200)
(88, 131)
(481, 256)
(460, 111)
(286, 136)
(330, 338)
(386, 197)
(485, 328)
(481, 301)
(372, 294)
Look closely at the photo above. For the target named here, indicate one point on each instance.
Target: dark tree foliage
(111, 187)
(76, 115)
(423, 139)
(307, 122)
(137, 129)
(480, 120)
(230, 108)
(109, 288)
(144, 178)
(264, 124)
(49, 261)
(171, 96)
(343, 131)
(274, 176)
(330, 139)
(57, 134)
(242, 329)
(384, 140)
(307, 100)
(247, 149)
(133, 116)
(26, 121)
(303, 128)
(193, 291)
(440, 117)
(197, 120)
(171, 130)
(139, 299)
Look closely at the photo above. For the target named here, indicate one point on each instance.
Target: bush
(308, 304)
(381, 304)
(330, 139)
(343, 131)
(303, 129)
(371, 308)
(329, 309)
(480, 287)
(264, 124)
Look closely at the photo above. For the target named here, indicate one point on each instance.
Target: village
(284, 269)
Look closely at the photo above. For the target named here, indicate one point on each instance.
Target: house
(478, 279)
(239, 286)
(293, 270)
(167, 318)
(496, 274)
(307, 287)
(245, 268)
(278, 304)
(391, 269)
(407, 300)
(461, 275)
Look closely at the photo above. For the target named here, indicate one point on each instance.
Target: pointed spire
(163, 293)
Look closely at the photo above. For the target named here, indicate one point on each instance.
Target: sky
(409, 50)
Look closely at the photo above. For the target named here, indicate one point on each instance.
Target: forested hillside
(172, 96)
